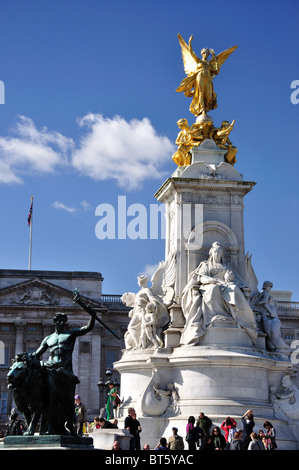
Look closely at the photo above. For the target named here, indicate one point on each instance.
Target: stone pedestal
(204, 204)
(208, 152)
(223, 377)
(103, 439)
(48, 442)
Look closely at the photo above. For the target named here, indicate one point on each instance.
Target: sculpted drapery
(213, 292)
(200, 73)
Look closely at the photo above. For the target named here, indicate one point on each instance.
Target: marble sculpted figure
(286, 400)
(264, 304)
(149, 317)
(214, 292)
(149, 314)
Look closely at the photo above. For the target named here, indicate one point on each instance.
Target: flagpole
(30, 239)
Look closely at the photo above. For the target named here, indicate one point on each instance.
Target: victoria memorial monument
(202, 336)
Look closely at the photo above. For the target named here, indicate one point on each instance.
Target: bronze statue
(48, 389)
(26, 380)
(60, 382)
(198, 84)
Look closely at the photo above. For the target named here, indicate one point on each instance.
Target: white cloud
(149, 270)
(31, 150)
(84, 206)
(129, 152)
(61, 205)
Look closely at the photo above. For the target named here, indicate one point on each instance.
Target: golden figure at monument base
(193, 136)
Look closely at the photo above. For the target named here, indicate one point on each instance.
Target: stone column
(96, 343)
(20, 328)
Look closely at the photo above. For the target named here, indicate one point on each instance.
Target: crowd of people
(200, 432)
(202, 435)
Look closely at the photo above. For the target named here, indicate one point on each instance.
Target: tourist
(138, 431)
(131, 425)
(105, 424)
(80, 416)
(110, 400)
(228, 425)
(207, 443)
(248, 425)
(193, 433)
(237, 443)
(15, 426)
(162, 444)
(146, 447)
(218, 439)
(204, 423)
(270, 436)
(175, 442)
(256, 443)
(95, 425)
(116, 446)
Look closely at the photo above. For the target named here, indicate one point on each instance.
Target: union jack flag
(30, 212)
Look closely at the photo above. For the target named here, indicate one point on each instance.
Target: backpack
(231, 434)
(116, 401)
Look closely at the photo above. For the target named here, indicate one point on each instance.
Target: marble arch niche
(203, 236)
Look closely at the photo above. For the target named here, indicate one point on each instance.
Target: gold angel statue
(198, 84)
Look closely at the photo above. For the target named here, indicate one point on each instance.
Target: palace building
(28, 303)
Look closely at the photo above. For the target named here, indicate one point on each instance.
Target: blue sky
(79, 74)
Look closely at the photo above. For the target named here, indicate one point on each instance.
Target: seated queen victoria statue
(214, 293)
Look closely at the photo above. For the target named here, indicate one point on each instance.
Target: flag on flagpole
(30, 219)
(30, 212)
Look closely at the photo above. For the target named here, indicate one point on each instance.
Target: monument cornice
(197, 185)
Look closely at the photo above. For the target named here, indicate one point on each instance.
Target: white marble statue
(213, 292)
(286, 401)
(149, 317)
(154, 401)
(264, 303)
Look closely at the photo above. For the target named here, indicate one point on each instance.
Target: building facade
(28, 303)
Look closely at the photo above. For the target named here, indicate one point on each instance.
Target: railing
(287, 305)
(114, 300)
(111, 298)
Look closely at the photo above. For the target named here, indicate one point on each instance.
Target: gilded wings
(190, 60)
(198, 84)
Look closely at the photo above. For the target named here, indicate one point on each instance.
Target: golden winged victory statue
(198, 84)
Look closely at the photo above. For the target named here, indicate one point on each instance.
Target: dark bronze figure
(48, 388)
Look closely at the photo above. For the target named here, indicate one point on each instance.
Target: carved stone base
(104, 438)
(227, 334)
(223, 377)
(48, 441)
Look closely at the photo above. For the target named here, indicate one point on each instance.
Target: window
(110, 358)
(5, 328)
(3, 403)
(32, 328)
(4, 358)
